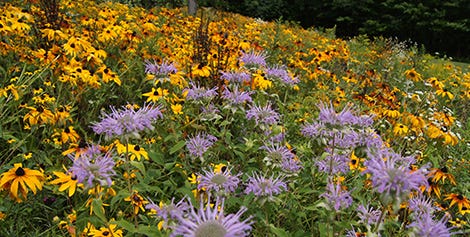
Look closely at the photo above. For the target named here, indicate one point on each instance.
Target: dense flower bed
(118, 121)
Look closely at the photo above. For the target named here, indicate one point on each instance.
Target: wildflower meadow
(117, 120)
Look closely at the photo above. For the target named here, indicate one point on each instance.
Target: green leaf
(177, 147)
(98, 209)
(278, 231)
(126, 225)
(139, 165)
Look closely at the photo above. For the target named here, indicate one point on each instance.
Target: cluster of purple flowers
(93, 166)
(199, 144)
(196, 92)
(127, 122)
(253, 59)
(261, 186)
(281, 156)
(236, 96)
(161, 71)
(391, 175)
(281, 74)
(236, 77)
(209, 220)
(263, 114)
(336, 197)
(218, 181)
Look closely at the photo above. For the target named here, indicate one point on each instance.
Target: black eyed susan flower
(400, 129)
(462, 202)
(137, 202)
(412, 75)
(441, 174)
(156, 94)
(111, 230)
(18, 179)
(66, 181)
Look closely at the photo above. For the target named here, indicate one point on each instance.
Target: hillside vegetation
(122, 121)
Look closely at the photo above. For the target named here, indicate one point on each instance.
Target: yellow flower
(156, 94)
(67, 135)
(462, 202)
(458, 223)
(38, 116)
(19, 179)
(111, 230)
(66, 181)
(391, 113)
(28, 155)
(177, 108)
(135, 151)
(2, 216)
(412, 75)
(137, 201)
(201, 70)
(445, 93)
(400, 129)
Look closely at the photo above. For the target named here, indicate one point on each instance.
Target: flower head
(261, 186)
(236, 77)
(425, 226)
(263, 114)
(336, 196)
(253, 59)
(161, 71)
(167, 211)
(199, 144)
(368, 215)
(392, 177)
(218, 181)
(212, 222)
(93, 166)
(128, 121)
(196, 92)
(236, 96)
(283, 157)
(19, 179)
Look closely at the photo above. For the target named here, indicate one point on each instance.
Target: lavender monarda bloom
(368, 215)
(337, 197)
(263, 114)
(236, 77)
(161, 71)
(196, 92)
(281, 156)
(281, 74)
(425, 226)
(93, 166)
(261, 186)
(218, 181)
(212, 222)
(127, 122)
(169, 211)
(253, 59)
(237, 97)
(199, 144)
(392, 177)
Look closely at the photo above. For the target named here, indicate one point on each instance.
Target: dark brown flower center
(136, 148)
(20, 172)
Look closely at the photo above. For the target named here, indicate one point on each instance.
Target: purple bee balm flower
(160, 70)
(171, 210)
(93, 166)
(421, 205)
(263, 114)
(253, 59)
(261, 186)
(281, 156)
(236, 77)
(237, 97)
(313, 129)
(336, 196)
(392, 177)
(281, 74)
(199, 144)
(368, 215)
(425, 226)
(328, 115)
(196, 92)
(212, 222)
(127, 122)
(221, 181)
(333, 163)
